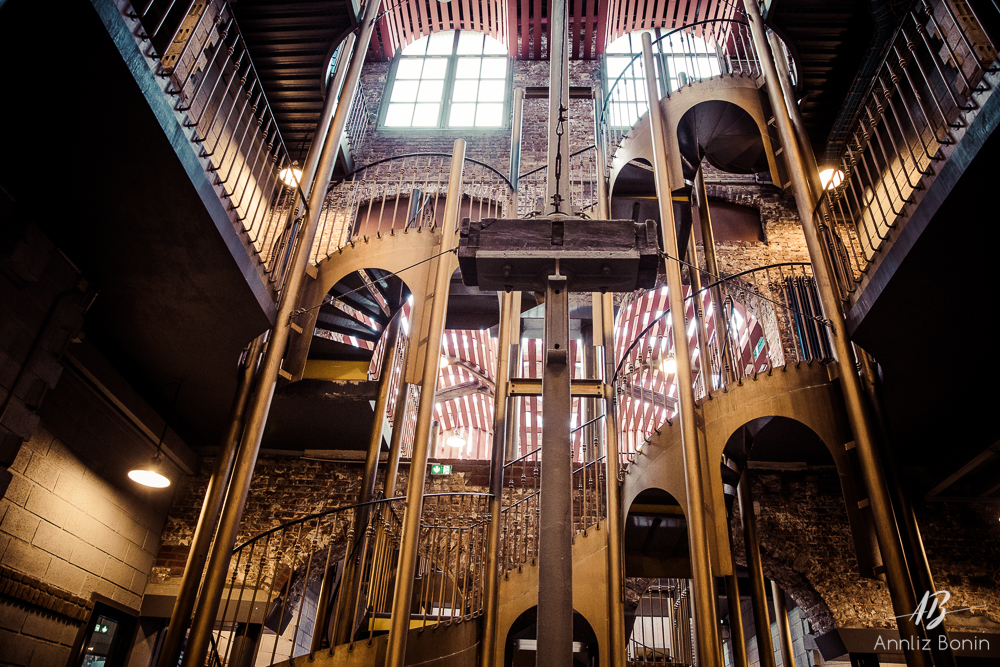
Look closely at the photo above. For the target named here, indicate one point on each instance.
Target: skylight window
(449, 79)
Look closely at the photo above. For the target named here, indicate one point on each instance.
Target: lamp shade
(151, 474)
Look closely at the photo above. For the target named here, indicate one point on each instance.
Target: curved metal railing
(287, 590)
(691, 53)
(532, 185)
(919, 102)
(771, 317)
(404, 193)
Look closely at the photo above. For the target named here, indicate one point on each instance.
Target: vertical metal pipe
(398, 427)
(871, 466)
(205, 529)
(400, 622)
(354, 564)
(736, 621)
(701, 326)
(555, 534)
(784, 630)
(616, 570)
(491, 604)
(712, 267)
(208, 604)
(701, 568)
(515, 145)
(758, 594)
(558, 153)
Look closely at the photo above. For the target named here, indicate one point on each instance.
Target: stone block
(42, 472)
(80, 494)
(66, 576)
(87, 528)
(16, 649)
(19, 418)
(12, 615)
(139, 559)
(48, 506)
(89, 558)
(19, 523)
(21, 461)
(26, 558)
(40, 441)
(132, 531)
(50, 628)
(118, 573)
(18, 490)
(55, 540)
(127, 598)
(94, 584)
(139, 583)
(47, 655)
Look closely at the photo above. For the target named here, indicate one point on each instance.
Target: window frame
(444, 112)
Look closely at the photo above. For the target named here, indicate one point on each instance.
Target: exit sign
(440, 469)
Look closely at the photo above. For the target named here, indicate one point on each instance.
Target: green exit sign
(440, 469)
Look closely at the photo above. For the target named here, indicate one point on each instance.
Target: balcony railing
(919, 105)
(403, 194)
(198, 52)
(771, 316)
(683, 56)
(532, 185)
(283, 597)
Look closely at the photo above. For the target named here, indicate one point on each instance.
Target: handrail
(419, 154)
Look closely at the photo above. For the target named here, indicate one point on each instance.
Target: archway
(521, 641)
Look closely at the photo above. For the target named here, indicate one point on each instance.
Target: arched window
(449, 79)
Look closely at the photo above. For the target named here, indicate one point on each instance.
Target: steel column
(515, 144)
(205, 529)
(218, 566)
(784, 630)
(616, 569)
(555, 534)
(558, 149)
(736, 634)
(758, 594)
(886, 531)
(701, 326)
(491, 602)
(701, 568)
(400, 622)
(712, 267)
(350, 586)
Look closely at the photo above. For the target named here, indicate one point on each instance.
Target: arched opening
(522, 641)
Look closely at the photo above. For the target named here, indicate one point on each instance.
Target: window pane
(416, 48)
(426, 115)
(399, 115)
(492, 91)
(616, 66)
(430, 91)
(468, 68)
(465, 91)
(493, 47)
(409, 68)
(489, 115)
(441, 43)
(404, 91)
(470, 43)
(462, 115)
(435, 68)
(494, 68)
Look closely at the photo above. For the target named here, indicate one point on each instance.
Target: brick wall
(806, 547)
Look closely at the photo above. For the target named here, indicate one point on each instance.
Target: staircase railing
(770, 316)
(285, 594)
(201, 57)
(920, 102)
(691, 53)
(402, 194)
(532, 185)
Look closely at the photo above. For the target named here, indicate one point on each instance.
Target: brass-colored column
(616, 569)
(396, 444)
(701, 325)
(218, 566)
(491, 602)
(701, 568)
(400, 622)
(758, 594)
(712, 267)
(205, 529)
(736, 633)
(784, 630)
(350, 582)
(886, 531)
(514, 370)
